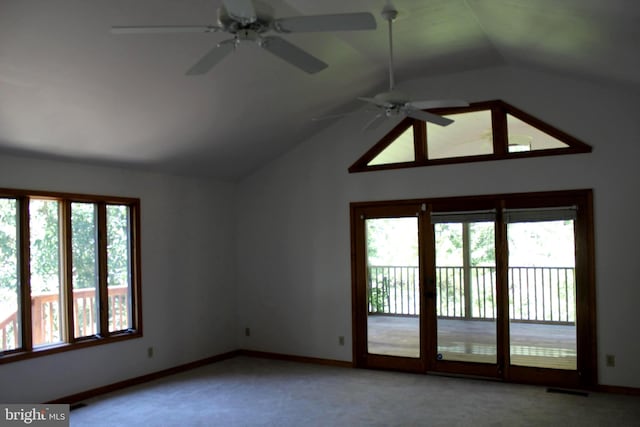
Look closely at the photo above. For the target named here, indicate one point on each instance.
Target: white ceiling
(70, 89)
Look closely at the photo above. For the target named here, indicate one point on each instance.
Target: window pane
(84, 247)
(470, 135)
(465, 291)
(400, 150)
(119, 267)
(46, 289)
(524, 137)
(393, 321)
(542, 294)
(10, 335)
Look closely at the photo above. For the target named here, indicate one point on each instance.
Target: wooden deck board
(539, 345)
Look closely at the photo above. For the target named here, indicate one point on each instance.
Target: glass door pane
(542, 303)
(393, 291)
(466, 291)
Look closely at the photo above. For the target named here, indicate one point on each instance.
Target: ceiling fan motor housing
(262, 23)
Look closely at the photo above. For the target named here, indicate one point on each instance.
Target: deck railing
(536, 294)
(45, 310)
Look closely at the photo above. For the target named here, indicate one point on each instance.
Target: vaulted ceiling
(71, 89)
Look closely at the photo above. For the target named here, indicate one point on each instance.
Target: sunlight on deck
(535, 345)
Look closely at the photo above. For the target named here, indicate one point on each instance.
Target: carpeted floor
(246, 391)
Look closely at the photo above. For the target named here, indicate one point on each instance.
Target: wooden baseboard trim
(632, 391)
(290, 358)
(78, 397)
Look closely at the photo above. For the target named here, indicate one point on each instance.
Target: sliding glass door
(493, 286)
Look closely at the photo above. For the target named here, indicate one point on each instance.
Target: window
(469, 135)
(400, 151)
(69, 272)
(492, 130)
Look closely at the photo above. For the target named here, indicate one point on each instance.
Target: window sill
(16, 355)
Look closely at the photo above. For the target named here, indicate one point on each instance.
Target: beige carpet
(248, 391)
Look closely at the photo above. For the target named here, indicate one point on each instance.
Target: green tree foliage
(482, 241)
(449, 244)
(8, 257)
(45, 245)
(84, 245)
(44, 224)
(392, 241)
(118, 245)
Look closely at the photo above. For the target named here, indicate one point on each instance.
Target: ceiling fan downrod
(389, 13)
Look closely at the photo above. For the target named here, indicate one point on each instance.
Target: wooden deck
(538, 345)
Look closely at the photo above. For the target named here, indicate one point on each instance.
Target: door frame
(586, 374)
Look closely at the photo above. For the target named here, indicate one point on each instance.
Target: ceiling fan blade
(441, 103)
(212, 57)
(319, 23)
(165, 29)
(293, 54)
(241, 10)
(428, 117)
(376, 101)
(375, 122)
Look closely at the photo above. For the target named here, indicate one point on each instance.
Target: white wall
(188, 289)
(294, 283)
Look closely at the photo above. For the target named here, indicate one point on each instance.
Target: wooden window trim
(26, 350)
(499, 111)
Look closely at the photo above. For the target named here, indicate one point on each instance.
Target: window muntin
(54, 286)
(10, 329)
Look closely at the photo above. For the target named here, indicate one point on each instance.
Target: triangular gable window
(524, 137)
(400, 151)
(491, 130)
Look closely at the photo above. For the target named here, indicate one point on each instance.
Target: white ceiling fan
(395, 103)
(251, 21)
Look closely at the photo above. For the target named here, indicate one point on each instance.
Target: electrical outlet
(150, 352)
(610, 360)
(341, 340)
(247, 332)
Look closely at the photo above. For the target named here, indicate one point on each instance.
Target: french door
(492, 286)
(389, 318)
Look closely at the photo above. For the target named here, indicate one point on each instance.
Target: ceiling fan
(395, 103)
(251, 21)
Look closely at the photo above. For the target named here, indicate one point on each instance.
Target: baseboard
(78, 397)
(300, 359)
(632, 391)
